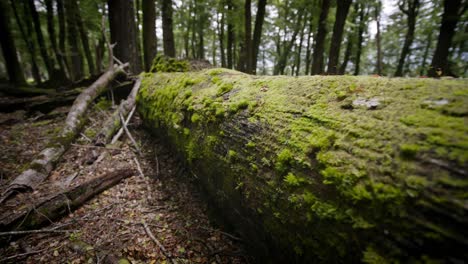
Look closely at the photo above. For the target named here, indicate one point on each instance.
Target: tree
(410, 8)
(363, 12)
(230, 36)
(149, 32)
(168, 34)
(74, 53)
(317, 62)
(52, 37)
(15, 72)
(62, 35)
(123, 33)
(84, 38)
(257, 35)
(377, 10)
(335, 44)
(453, 10)
(40, 38)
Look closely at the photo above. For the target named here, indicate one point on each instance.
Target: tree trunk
(15, 72)
(74, 53)
(411, 13)
(342, 10)
(317, 62)
(299, 49)
(377, 38)
(40, 168)
(425, 55)
(347, 54)
(149, 32)
(57, 205)
(247, 54)
(362, 28)
(168, 34)
(292, 165)
(40, 39)
(257, 35)
(62, 37)
(221, 39)
(123, 33)
(29, 43)
(53, 39)
(230, 36)
(84, 38)
(309, 48)
(450, 18)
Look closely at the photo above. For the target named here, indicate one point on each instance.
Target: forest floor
(110, 227)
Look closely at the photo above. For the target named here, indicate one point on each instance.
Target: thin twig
(119, 134)
(23, 255)
(25, 232)
(93, 146)
(150, 234)
(129, 135)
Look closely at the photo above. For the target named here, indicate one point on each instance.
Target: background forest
(66, 39)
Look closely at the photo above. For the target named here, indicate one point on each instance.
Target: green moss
(103, 104)
(292, 180)
(166, 64)
(42, 123)
(224, 88)
(250, 144)
(195, 118)
(284, 161)
(409, 151)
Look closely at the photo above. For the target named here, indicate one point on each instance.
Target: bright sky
(388, 7)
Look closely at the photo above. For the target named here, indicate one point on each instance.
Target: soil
(157, 216)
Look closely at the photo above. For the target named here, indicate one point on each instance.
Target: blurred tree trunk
(309, 48)
(62, 36)
(52, 37)
(221, 37)
(76, 63)
(168, 34)
(230, 36)
(299, 49)
(149, 32)
(15, 72)
(342, 11)
(319, 48)
(123, 33)
(362, 28)
(411, 12)
(425, 55)
(84, 38)
(378, 39)
(452, 14)
(25, 35)
(281, 65)
(40, 38)
(257, 35)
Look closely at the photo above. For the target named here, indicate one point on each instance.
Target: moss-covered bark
(328, 169)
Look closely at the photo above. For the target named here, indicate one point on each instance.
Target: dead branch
(119, 134)
(130, 135)
(40, 168)
(26, 232)
(156, 241)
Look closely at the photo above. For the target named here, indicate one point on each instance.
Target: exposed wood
(59, 204)
(40, 167)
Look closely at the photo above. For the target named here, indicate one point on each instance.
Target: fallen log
(42, 212)
(324, 168)
(113, 124)
(40, 167)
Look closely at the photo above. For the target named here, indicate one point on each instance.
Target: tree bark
(52, 208)
(309, 48)
(14, 69)
(450, 18)
(149, 32)
(40, 168)
(53, 39)
(425, 55)
(411, 13)
(247, 54)
(168, 33)
(40, 39)
(319, 48)
(221, 38)
(123, 33)
(257, 35)
(62, 37)
(299, 179)
(342, 11)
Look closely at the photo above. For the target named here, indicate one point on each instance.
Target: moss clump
(103, 104)
(195, 118)
(293, 180)
(284, 161)
(409, 151)
(224, 88)
(166, 64)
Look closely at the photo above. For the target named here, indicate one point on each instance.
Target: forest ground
(108, 228)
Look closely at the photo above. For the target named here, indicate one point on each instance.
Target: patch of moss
(167, 64)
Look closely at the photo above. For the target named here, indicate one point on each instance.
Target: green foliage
(166, 64)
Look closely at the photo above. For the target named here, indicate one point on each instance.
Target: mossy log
(324, 168)
(39, 169)
(59, 204)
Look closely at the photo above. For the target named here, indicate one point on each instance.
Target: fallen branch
(52, 208)
(156, 241)
(40, 168)
(119, 134)
(23, 255)
(113, 123)
(130, 135)
(26, 232)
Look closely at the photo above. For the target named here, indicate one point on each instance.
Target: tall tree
(149, 32)
(410, 8)
(221, 35)
(453, 10)
(74, 54)
(308, 47)
(319, 48)
(168, 34)
(84, 38)
(377, 10)
(230, 34)
(123, 33)
(15, 72)
(52, 37)
(342, 10)
(363, 12)
(257, 35)
(40, 38)
(62, 35)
